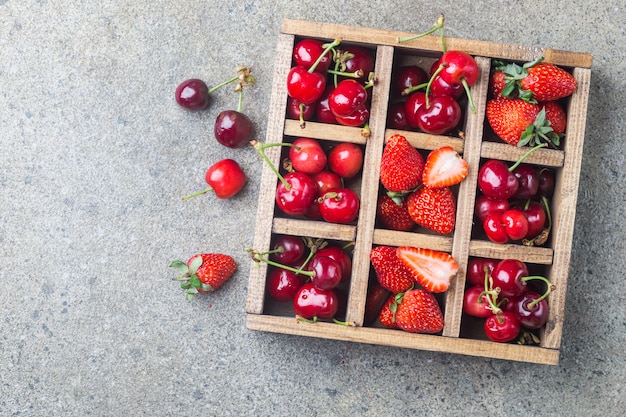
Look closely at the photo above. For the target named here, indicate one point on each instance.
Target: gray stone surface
(95, 157)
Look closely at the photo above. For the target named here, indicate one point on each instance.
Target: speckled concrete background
(95, 157)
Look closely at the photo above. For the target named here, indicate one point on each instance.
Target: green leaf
(180, 266)
(195, 264)
(195, 281)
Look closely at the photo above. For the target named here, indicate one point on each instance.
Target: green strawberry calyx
(189, 280)
(513, 74)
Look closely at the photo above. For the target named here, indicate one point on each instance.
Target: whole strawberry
(387, 315)
(555, 114)
(433, 208)
(401, 165)
(390, 271)
(520, 123)
(418, 312)
(393, 213)
(204, 272)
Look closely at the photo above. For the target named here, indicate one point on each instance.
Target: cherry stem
(258, 257)
(327, 48)
(302, 122)
(550, 286)
(259, 148)
(412, 88)
(490, 292)
(441, 67)
(438, 25)
(186, 197)
(240, 102)
(469, 95)
(544, 200)
(344, 323)
(519, 161)
(313, 320)
(230, 81)
(356, 74)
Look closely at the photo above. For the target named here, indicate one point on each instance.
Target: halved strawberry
(444, 167)
(390, 271)
(401, 165)
(432, 269)
(433, 208)
(418, 312)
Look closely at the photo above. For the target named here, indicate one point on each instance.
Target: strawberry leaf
(195, 264)
(180, 266)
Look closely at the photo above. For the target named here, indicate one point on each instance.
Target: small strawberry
(204, 272)
(556, 116)
(520, 123)
(390, 271)
(534, 81)
(418, 312)
(432, 269)
(497, 82)
(387, 315)
(393, 215)
(433, 208)
(401, 165)
(444, 167)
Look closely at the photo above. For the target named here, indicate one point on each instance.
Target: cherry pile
(312, 274)
(500, 293)
(329, 83)
(513, 203)
(315, 178)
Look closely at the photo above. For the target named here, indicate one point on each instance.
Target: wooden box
(459, 335)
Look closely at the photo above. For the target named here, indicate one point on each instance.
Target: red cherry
(502, 327)
(225, 178)
(485, 206)
(192, 94)
(507, 275)
(412, 106)
(406, 77)
(376, 297)
(325, 181)
(339, 205)
(300, 111)
(536, 218)
(441, 116)
(346, 97)
(496, 181)
(396, 116)
(459, 67)
(327, 272)
(476, 270)
(233, 129)
(439, 87)
(531, 310)
(307, 155)
(307, 51)
(322, 111)
(475, 303)
(494, 228)
(546, 182)
(282, 285)
(346, 159)
(288, 250)
(528, 181)
(296, 198)
(311, 302)
(360, 116)
(360, 59)
(305, 86)
(515, 224)
(341, 257)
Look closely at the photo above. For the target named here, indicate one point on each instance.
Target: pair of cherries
(232, 128)
(500, 185)
(498, 292)
(431, 103)
(318, 92)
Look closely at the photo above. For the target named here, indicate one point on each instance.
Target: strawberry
(444, 167)
(520, 123)
(432, 269)
(204, 272)
(534, 81)
(390, 271)
(401, 165)
(433, 208)
(387, 315)
(418, 312)
(556, 116)
(393, 215)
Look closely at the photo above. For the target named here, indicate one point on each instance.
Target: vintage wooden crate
(459, 336)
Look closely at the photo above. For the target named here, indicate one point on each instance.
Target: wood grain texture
(506, 152)
(325, 131)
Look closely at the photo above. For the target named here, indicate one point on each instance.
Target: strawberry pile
(417, 190)
(525, 107)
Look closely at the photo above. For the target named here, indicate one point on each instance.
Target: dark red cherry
(357, 119)
(528, 181)
(341, 257)
(531, 310)
(322, 110)
(192, 94)
(361, 59)
(476, 270)
(484, 206)
(406, 77)
(300, 111)
(282, 285)
(327, 272)
(496, 181)
(233, 129)
(412, 106)
(288, 250)
(546, 182)
(396, 116)
(536, 217)
(475, 303)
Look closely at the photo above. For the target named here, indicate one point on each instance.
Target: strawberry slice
(444, 167)
(432, 269)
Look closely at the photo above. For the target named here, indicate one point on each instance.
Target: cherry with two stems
(306, 84)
